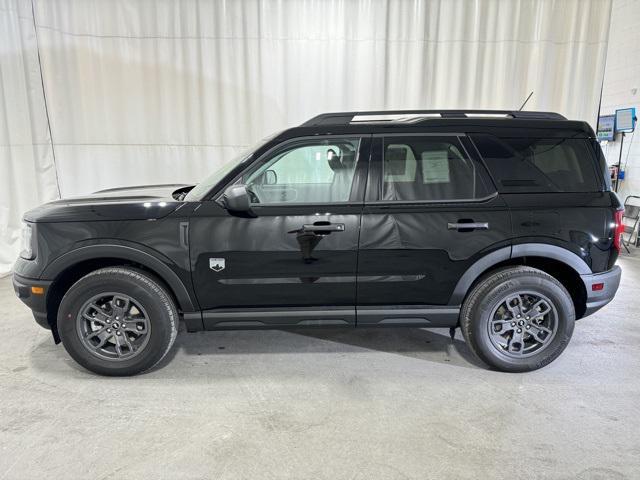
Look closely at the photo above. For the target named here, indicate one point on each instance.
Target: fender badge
(216, 264)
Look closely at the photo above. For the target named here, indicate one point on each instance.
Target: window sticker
(435, 167)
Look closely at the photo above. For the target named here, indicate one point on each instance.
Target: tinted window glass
(429, 168)
(539, 164)
(317, 171)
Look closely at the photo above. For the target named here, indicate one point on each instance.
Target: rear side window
(539, 164)
(426, 168)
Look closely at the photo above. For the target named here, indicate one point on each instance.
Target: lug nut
(139, 327)
(513, 324)
(518, 316)
(528, 327)
(118, 333)
(108, 330)
(519, 330)
(108, 321)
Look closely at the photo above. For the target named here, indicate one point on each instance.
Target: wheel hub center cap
(116, 325)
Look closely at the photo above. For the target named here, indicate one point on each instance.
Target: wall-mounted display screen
(625, 120)
(606, 127)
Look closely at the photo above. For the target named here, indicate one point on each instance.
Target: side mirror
(270, 177)
(237, 202)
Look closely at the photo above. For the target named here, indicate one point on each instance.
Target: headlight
(27, 241)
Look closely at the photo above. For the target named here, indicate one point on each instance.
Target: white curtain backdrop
(97, 94)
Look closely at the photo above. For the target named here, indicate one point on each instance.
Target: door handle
(320, 228)
(323, 227)
(468, 226)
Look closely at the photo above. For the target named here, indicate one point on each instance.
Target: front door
(431, 211)
(295, 262)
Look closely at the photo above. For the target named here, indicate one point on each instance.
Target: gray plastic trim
(91, 252)
(599, 298)
(516, 251)
(475, 270)
(408, 316)
(278, 317)
(551, 251)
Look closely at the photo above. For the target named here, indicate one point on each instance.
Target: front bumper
(36, 302)
(596, 299)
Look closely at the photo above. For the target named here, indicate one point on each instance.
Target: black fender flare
(551, 251)
(515, 251)
(155, 262)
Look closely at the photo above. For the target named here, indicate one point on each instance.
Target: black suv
(501, 223)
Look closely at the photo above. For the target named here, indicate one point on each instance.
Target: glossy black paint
(392, 264)
(578, 222)
(266, 265)
(272, 261)
(409, 255)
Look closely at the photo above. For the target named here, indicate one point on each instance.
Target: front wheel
(117, 321)
(518, 319)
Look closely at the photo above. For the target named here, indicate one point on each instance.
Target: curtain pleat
(161, 91)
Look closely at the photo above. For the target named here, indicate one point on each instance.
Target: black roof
(496, 122)
(420, 116)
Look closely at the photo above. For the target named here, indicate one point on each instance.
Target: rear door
(430, 212)
(295, 262)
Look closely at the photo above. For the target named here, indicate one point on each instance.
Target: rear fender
(516, 251)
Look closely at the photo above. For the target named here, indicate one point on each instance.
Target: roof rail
(416, 116)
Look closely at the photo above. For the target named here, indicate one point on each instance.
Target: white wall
(27, 167)
(622, 87)
(162, 91)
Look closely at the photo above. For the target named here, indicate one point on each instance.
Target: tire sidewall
(481, 316)
(161, 318)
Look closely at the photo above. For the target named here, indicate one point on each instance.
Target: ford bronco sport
(500, 223)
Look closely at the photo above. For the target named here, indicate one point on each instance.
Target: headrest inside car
(395, 161)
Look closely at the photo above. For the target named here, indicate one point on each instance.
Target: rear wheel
(518, 319)
(117, 321)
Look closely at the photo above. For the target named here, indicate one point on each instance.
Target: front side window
(315, 171)
(425, 168)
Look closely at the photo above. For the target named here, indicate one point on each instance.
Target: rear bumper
(37, 303)
(596, 299)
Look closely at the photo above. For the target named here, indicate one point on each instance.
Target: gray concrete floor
(325, 404)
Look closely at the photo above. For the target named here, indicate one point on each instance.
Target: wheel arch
(65, 270)
(558, 262)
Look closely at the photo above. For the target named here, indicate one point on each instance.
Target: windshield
(201, 189)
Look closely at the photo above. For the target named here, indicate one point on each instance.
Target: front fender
(130, 251)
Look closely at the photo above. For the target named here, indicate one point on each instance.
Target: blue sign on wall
(625, 120)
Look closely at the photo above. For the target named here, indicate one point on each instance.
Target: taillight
(619, 229)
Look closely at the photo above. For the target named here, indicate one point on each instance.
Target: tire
(119, 300)
(487, 321)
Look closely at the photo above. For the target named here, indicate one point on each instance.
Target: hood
(148, 202)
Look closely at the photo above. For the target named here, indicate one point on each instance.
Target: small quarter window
(539, 164)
